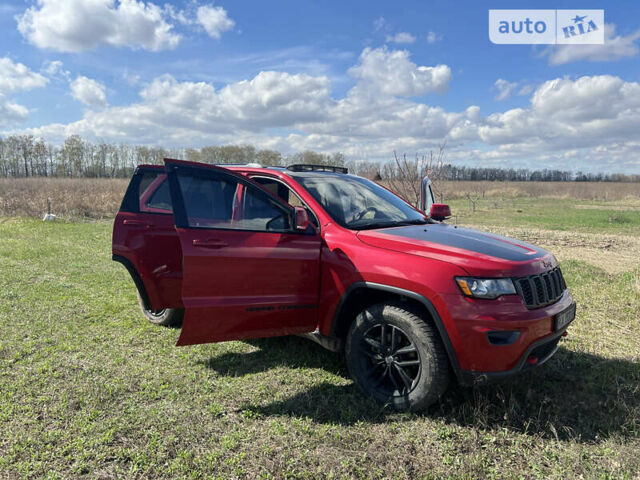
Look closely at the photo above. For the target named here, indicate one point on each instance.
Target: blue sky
(362, 78)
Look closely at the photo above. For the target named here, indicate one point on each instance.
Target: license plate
(566, 317)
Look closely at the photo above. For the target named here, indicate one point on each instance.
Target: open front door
(246, 271)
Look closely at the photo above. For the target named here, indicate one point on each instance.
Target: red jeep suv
(243, 251)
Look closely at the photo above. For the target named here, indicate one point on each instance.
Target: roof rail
(250, 165)
(303, 167)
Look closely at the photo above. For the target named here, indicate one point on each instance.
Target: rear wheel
(167, 317)
(397, 357)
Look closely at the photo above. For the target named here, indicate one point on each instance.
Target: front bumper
(542, 350)
(470, 322)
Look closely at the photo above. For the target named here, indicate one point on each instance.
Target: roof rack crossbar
(304, 167)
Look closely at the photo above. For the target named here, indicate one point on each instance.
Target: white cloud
(52, 67)
(504, 88)
(214, 20)
(401, 37)
(392, 73)
(614, 48)
(586, 113)
(277, 98)
(78, 25)
(181, 113)
(16, 77)
(601, 97)
(10, 112)
(433, 37)
(88, 91)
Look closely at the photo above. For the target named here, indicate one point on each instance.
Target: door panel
(246, 274)
(152, 245)
(145, 234)
(253, 285)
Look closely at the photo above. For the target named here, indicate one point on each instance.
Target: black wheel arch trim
(435, 316)
(136, 278)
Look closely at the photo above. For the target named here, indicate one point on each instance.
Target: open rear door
(246, 271)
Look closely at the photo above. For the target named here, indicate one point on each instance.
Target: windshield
(357, 203)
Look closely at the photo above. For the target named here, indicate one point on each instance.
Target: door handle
(137, 223)
(209, 243)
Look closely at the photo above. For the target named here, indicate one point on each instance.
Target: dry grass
(70, 197)
(578, 190)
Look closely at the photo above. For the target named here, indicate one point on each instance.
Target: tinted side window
(142, 189)
(281, 190)
(161, 198)
(208, 201)
(211, 202)
(261, 213)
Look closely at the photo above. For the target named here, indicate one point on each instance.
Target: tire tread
(428, 336)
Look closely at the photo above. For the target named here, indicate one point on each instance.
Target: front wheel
(397, 357)
(167, 317)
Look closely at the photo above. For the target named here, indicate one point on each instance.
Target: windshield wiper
(374, 225)
(417, 221)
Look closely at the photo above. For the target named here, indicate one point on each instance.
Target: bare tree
(40, 156)
(269, 157)
(365, 168)
(404, 175)
(4, 172)
(25, 143)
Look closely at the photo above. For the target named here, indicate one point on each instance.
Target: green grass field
(621, 217)
(89, 389)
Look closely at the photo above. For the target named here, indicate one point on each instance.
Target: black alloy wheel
(394, 359)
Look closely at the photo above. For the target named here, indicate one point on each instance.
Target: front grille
(541, 290)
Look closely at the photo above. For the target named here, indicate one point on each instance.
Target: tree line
(28, 156)
(451, 172)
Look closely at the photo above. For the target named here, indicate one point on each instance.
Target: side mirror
(440, 211)
(301, 218)
(426, 195)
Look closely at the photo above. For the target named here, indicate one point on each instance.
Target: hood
(479, 253)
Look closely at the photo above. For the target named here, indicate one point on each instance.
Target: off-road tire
(429, 377)
(168, 317)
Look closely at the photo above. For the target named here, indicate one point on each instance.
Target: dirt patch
(612, 253)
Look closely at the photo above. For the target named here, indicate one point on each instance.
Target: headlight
(485, 287)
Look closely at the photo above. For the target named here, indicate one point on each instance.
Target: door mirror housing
(440, 211)
(300, 218)
(426, 195)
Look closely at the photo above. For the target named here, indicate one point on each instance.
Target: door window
(148, 192)
(210, 201)
(160, 199)
(283, 191)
